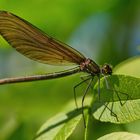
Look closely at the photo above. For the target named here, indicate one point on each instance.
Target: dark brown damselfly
(36, 45)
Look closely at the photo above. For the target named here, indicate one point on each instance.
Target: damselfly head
(106, 69)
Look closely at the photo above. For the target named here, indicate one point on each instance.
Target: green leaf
(62, 125)
(68, 129)
(51, 127)
(59, 127)
(129, 67)
(120, 136)
(120, 103)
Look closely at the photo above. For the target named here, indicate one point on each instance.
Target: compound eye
(107, 70)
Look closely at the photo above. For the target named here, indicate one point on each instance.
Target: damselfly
(36, 45)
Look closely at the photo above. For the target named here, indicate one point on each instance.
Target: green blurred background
(104, 30)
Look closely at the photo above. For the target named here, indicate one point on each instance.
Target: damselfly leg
(110, 87)
(85, 79)
(88, 79)
(83, 98)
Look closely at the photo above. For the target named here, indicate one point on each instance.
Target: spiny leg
(112, 89)
(121, 103)
(111, 112)
(85, 80)
(106, 105)
(83, 98)
(84, 77)
(112, 105)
